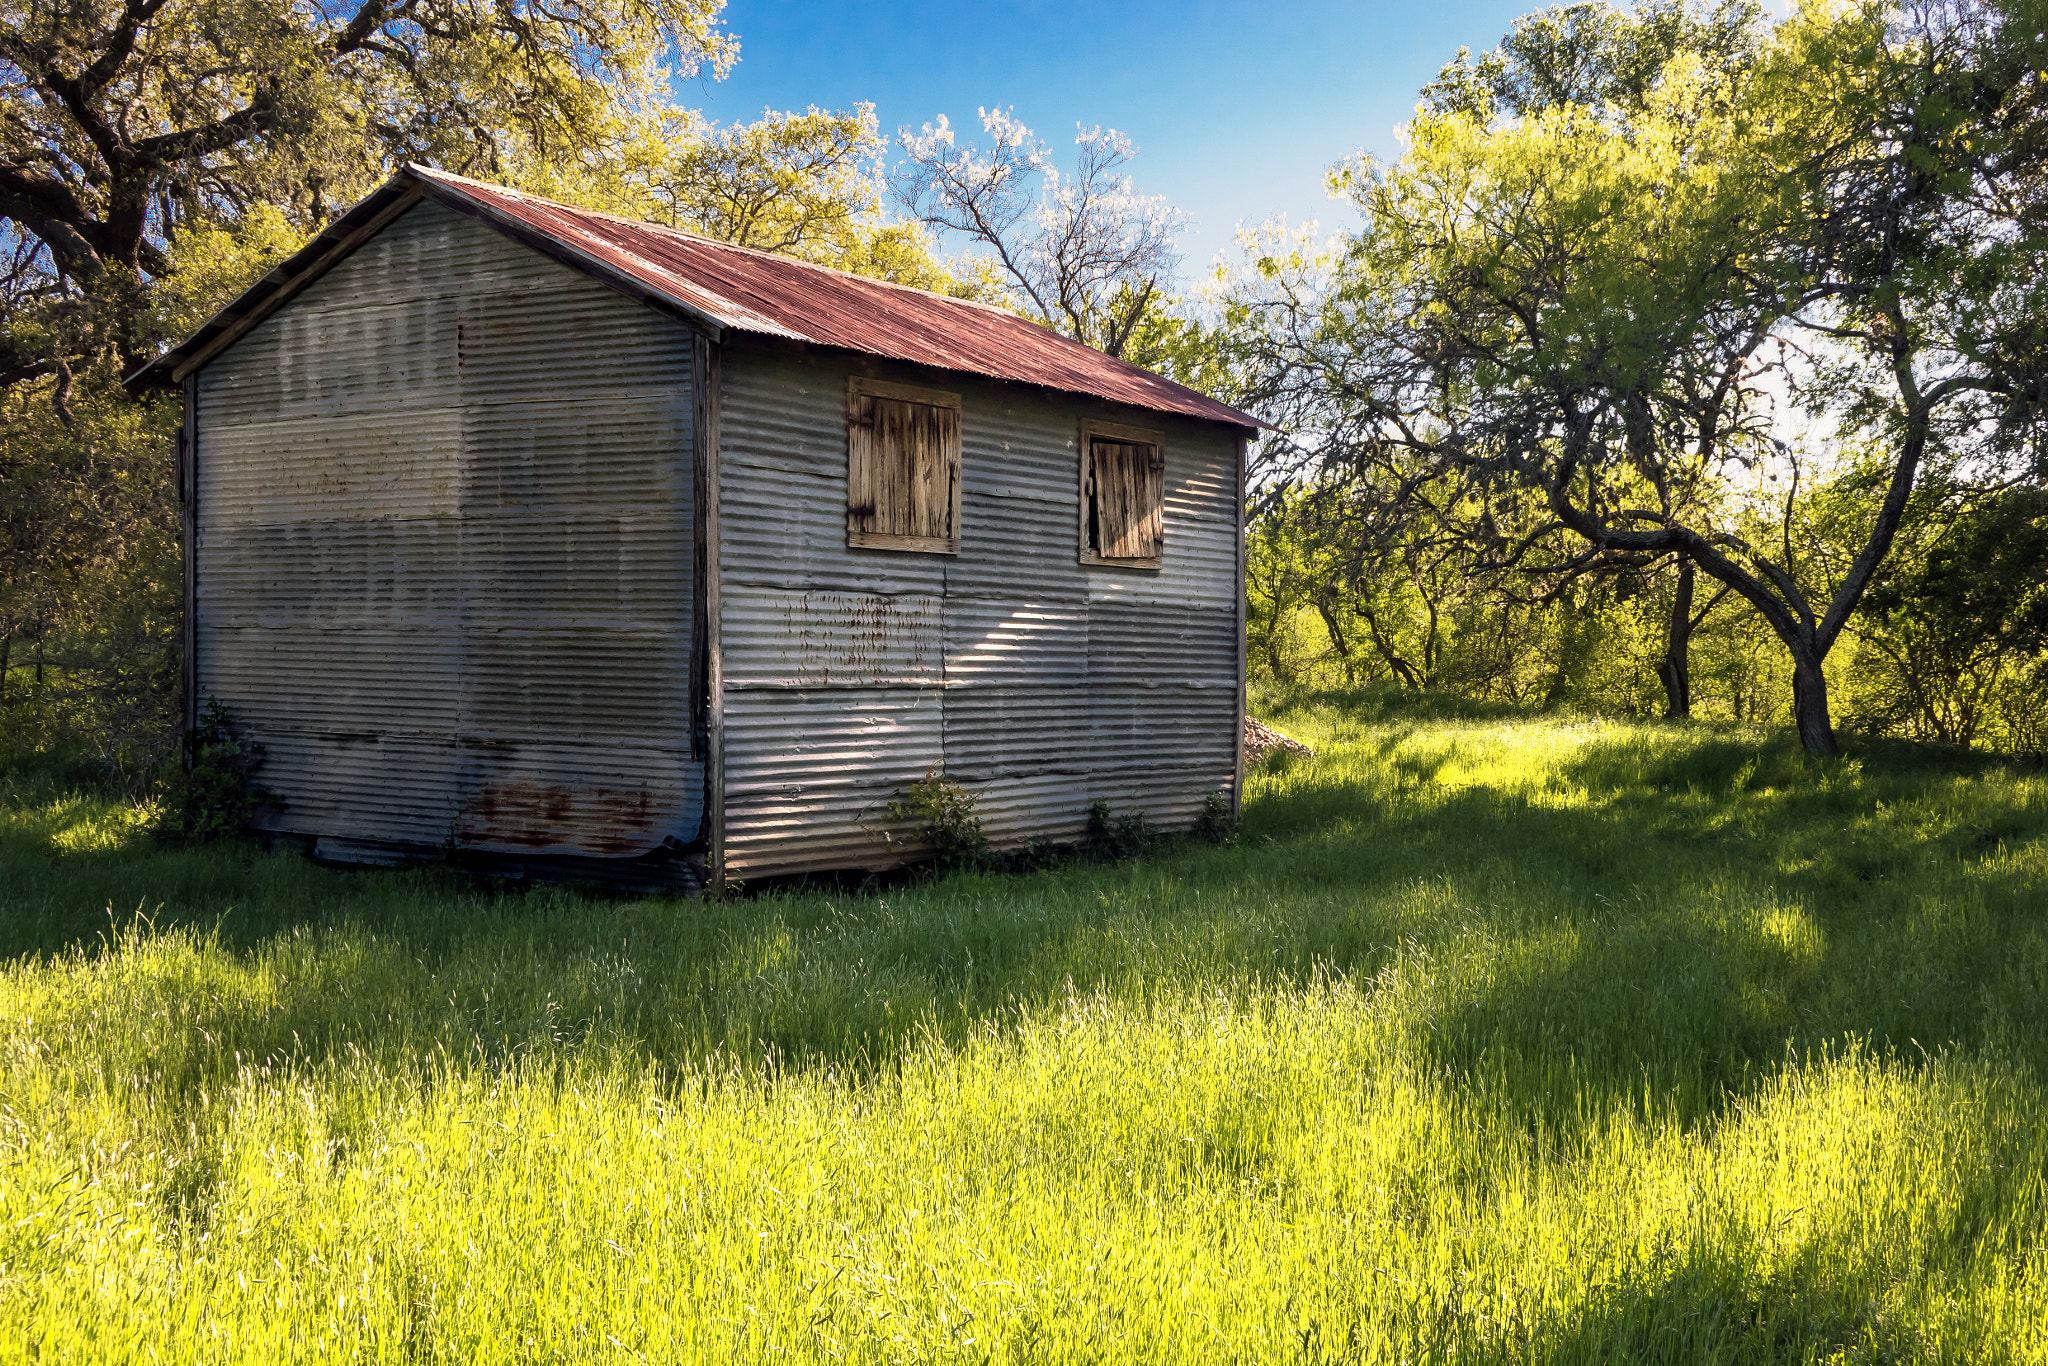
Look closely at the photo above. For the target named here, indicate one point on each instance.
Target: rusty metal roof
(723, 287)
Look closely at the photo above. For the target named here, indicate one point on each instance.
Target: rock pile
(1261, 740)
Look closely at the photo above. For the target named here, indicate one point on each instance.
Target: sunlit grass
(1496, 1038)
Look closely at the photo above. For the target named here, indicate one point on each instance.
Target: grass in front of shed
(1498, 1038)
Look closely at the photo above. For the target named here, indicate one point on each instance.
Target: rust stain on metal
(533, 815)
(858, 639)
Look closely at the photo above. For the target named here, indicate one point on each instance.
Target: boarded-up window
(902, 467)
(1123, 495)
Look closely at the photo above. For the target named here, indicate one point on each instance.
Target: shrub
(1218, 823)
(942, 814)
(212, 793)
(1117, 837)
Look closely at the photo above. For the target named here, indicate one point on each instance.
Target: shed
(590, 548)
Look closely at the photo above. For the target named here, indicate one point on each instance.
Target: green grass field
(1496, 1038)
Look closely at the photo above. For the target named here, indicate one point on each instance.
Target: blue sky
(1237, 107)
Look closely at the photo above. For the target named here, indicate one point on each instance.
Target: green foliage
(1423, 613)
(251, 105)
(1953, 643)
(1113, 835)
(1541, 357)
(1217, 823)
(90, 575)
(1496, 1040)
(1169, 340)
(1984, 584)
(1592, 54)
(942, 815)
(212, 794)
(209, 263)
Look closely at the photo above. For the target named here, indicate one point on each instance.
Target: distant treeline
(1948, 648)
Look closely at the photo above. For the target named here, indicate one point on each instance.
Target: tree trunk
(1673, 670)
(1571, 652)
(1429, 641)
(1400, 666)
(1810, 704)
(1342, 645)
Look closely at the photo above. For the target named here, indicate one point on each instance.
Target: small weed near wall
(941, 815)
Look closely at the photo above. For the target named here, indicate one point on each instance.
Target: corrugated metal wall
(1039, 683)
(444, 553)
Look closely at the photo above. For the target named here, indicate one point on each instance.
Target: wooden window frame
(858, 538)
(1091, 430)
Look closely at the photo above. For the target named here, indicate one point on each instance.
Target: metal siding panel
(788, 531)
(424, 255)
(1143, 645)
(371, 785)
(1014, 644)
(783, 514)
(351, 467)
(1196, 573)
(1176, 726)
(1020, 730)
(1062, 684)
(1020, 809)
(331, 575)
(609, 452)
(809, 775)
(575, 341)
(309, 676)
(1019, 479)
(777, 638)
(1012, 548)
(369, 361)
(445, 553)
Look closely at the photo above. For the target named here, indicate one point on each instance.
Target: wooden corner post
(708, 682)
(188, 496)
(1237, 737)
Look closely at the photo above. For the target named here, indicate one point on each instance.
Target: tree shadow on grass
(1712, 1304)
(1683, 757)
(1646, 947)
